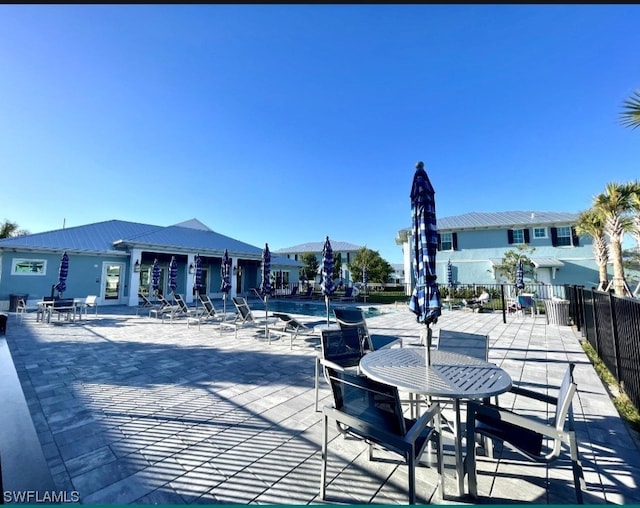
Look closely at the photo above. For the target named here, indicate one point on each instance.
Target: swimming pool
(306, 308)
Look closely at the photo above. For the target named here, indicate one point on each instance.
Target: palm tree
(630, 117)
(635, 205)
(614, 205)
(8, 229)
(591, 223)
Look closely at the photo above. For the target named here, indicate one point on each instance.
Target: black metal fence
(611, 324)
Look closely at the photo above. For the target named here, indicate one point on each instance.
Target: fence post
(614, 334)
(504, 304)
(596, 333)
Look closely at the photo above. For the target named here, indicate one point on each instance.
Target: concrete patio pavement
(131, 410)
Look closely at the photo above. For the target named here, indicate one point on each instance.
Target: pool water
(306, 308)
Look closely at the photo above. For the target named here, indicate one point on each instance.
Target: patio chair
(348, 295)
(164, 307)
(524, 303)
(179, 310)
(343, 348)
(21, 309)
(536, 439)
(307, 295)
(348, 317)
(293, 326)
(293, 293)
(207, 313)
(372, 412)
(90, 301)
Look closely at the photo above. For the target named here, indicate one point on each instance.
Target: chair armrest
(423, 422)
(331, 365)
(507, 416)
(518, 390)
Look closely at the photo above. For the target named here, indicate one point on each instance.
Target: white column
(134, 277)
(191, 278)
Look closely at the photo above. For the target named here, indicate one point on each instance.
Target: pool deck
(130, 411)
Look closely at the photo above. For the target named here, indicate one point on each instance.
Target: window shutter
(454, 239)
(575, 239)
(527, 238)
(510, 235)
(439, 242)
(554, 237)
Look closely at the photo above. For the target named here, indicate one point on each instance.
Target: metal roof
(116, 236)
(337, 246)
(475, 220)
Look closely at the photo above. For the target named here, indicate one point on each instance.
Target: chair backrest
(163, 300)
(294, 291)
(348, 292)
(564, 411)
(308, 291)
(354, 318)
(376, 405)
(90, 300)
(181, 303)
(525, 301)
(343, 347)
(145, 300)
(243, 309)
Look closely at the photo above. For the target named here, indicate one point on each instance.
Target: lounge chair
(293, 293)
(293, 327)
(163, 307)
(207, 313)
(179, 310)
(527, 435)
(244, 317)
(90, 301)
(348, 317)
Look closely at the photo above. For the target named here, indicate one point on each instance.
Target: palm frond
(630, 117)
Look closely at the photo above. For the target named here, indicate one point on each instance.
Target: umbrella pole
(326, 302)
(224, 303)
(266, 321)
(427, 345)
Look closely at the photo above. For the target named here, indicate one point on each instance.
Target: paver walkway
(130, 410)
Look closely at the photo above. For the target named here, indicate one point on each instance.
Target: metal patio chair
(348, 317)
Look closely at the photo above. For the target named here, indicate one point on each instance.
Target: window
(539, 232)
(518, 236)
(446, 241)
(564, 236)
(29, 267)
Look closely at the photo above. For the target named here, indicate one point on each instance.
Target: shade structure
(225, 275)
(155, 276)
(425, 299)
(265, 285)
(61, 286)
(519, 275)
(328, 287)
(173, 274)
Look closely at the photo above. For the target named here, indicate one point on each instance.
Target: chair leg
(323, 470)
(317, 387)
(411, 463)
(470, 459)
(576, 465)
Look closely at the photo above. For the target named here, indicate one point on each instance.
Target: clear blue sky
(287, 123)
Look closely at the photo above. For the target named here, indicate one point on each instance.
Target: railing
(611, 324)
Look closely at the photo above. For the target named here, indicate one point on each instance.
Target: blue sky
(287, 123)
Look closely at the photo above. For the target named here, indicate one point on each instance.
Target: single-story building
(113, 260)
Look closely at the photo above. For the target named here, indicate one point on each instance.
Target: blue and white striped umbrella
(519, 275)
(328, 287)
(365, 277)
(155, 275)
(449, 275)
(425, 298)
(61, 286)
(198, 282)
(225, 275)
(265, 285)
(173, 274)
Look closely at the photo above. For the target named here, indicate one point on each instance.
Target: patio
(130, 410)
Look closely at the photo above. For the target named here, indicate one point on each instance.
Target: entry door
(112, 283)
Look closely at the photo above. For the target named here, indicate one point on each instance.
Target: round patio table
(450, 376)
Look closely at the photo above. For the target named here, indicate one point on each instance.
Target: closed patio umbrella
(198, 282)
(173, 274)
(265, 285)
(155, 277)
(519, 275)
(449, 282)
(328, 287)
(61, 286)
(425, 298)
(225, 275)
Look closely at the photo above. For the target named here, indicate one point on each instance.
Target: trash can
(13, 301)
